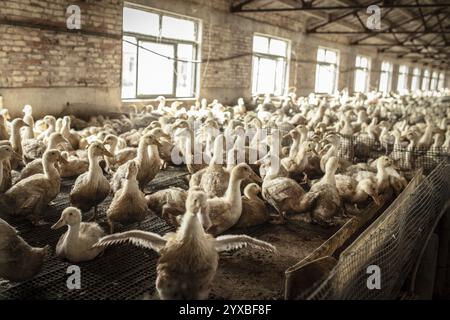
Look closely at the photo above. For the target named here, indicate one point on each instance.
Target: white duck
(76, 243)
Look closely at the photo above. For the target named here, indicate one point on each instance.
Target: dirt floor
(127, 272)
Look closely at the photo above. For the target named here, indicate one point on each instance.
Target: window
(402, 78)
(270, 63)
(362, 74)
(415, 82)
(441, 81)
(158, 54)
(385, 77)
(426, 80)
(434, 80)
(326, 70)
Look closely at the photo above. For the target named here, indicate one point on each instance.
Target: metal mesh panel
(123, 272)
(393, 243)
(362, 149)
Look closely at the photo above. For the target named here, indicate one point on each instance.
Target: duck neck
(73, 234)
(95, 170)
(131, 185)
(294, 148)
(52, 144)
(15, 139)
(233, 193)
(329, 177)
(142, 152)
(191, 230)
(381, 174)
(50, 169)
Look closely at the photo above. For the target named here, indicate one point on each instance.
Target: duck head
(110, 140)
(6, 152)
(52, 156)
(243, 171)
(150, 139)
(70, 216)
(132, 170)
(371, 189)
(97, 149)
(57, 138)
(19, 123)
(196, 210)
(252, 190)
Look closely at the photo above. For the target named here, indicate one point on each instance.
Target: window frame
(366, 71)
(405, 74)
(139, 37)
(274, 57)
(416, 76)
(336, 65)
(389, 73)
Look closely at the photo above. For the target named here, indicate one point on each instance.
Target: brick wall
(51, 57)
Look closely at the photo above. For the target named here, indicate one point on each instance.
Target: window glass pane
(178, 28)
(321, 54)
(325, 78)
(278, 47)
(185, 71)
(255, 75)
(331, 56)
(140, 21)
(260, 44)
(129, 68)
(155, 73)
(266, 76)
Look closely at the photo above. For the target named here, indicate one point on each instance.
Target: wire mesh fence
(393, 243)
(406, 158)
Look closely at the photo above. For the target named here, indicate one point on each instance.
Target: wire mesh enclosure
(393, 243)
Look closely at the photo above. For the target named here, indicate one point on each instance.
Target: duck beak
(254, 177)
(376, 199)
(204, 219)
(107, 153)
(63, 160)
(165, 135)
(60, 223)
(17, 156)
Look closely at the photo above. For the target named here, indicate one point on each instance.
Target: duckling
(30, 195)
(254, 210)
(91, 188)
(323, 200)
(16, 142)
(189, 257)
(148, 160)
(76, 244)
(129, 203)
(35, 166)
(381, 176)
(18, 260)
(28, 119)
(226, 211)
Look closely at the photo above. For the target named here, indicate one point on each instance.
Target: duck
(4, 135)
(225, 211)
(28, 119)
(148, 160)
(214, 178)
(19, 261)
(356, 192)
(6, 152)
(168, 203)
(76, 244)
(189, 257)
(254, 210)
(16, 142)
(50, 121)
(381, 177)
(129, 203)
(29, 196)
(91, 187)
(322, 201)
(35, 166)
(74, 166)
(70, 135)
(284, 194)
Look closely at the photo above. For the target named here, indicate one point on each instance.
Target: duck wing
(138, 238)
(233, 242)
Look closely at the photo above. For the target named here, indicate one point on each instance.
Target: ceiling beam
(236, 8)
